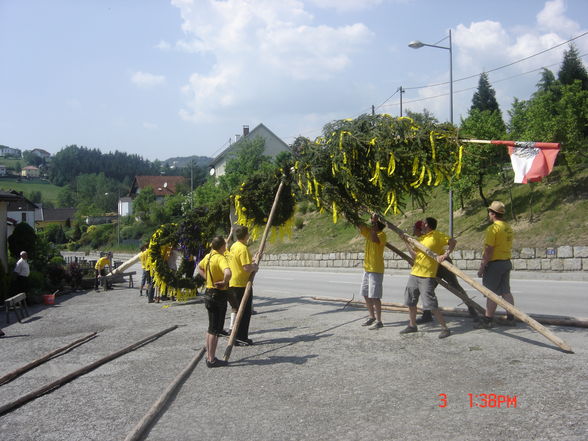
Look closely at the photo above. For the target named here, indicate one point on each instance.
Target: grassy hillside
(548, 214)
(49, 191)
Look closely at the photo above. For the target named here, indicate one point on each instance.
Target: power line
(473, 88)
(500, 67)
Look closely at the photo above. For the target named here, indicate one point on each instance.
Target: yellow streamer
(391, 164)
(334, 212)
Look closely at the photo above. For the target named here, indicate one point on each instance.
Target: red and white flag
(532, 161)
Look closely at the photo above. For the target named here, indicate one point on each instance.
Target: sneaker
(368, 322)
(216, 363)
(376, 325)
(444, 333)
(424, 319)
(2, 334)
(409, 330)
(223, 333)
(485, 323)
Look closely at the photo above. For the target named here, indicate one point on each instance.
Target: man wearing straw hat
(496, 265)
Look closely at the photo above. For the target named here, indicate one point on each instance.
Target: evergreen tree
(485, 96)
(547, 82)
(572, 68)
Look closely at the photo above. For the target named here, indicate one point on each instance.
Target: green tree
(572, 68)
(485, 96)
(480, 160)
(144, 202)
(23, 238)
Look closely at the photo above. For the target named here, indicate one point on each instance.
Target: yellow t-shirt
(499, 235)
(423, 265)
(102, 262)
(374, 252)
(143, 259)
(218, 264)
(238, 257)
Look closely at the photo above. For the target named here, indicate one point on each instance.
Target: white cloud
(144, 79)
(261, 48)
(484, 45)
(552, 18)
(346, 5)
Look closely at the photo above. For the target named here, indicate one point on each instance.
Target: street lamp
(417, 45)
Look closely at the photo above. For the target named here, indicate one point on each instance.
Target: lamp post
(417, 45)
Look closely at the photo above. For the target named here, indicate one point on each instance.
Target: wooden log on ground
(249, 285)
(399, 307)
(469, 302)
(33, 364)
(9, 407)
(142, 427)
(485, 291)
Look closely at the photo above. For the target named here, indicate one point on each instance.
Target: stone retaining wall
(565, 258)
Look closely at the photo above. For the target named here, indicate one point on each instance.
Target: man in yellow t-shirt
(496, 265)
(423, 276)
(373, 276)
(214, 267)
(241, 268)
(100, 270)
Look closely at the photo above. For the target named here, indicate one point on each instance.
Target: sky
(168, 78)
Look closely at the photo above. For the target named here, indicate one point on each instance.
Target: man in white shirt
(22, 272)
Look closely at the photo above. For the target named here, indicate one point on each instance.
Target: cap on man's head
(497, 207)
(23, 253)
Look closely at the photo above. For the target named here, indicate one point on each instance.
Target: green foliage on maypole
(375, 162)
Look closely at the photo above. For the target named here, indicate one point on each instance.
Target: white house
(272, 147)
(21, 209)
(2, 170)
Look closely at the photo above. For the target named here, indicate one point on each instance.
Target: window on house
(23, 216)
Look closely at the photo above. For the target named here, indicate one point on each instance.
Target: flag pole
(540, 145)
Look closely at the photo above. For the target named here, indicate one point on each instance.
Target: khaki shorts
(421, 285)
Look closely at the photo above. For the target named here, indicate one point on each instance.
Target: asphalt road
(313, 374)
(552, 297)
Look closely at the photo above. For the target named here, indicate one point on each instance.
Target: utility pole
(373, 110)
(401, 90)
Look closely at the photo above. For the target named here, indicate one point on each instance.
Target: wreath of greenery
(376, 163)
(256, 196)
(191, 237)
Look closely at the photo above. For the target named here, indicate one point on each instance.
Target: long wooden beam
(142, 427)
(485, 291)
(249, 285)
(33, 364)
(9, 407)
(462, 296)
(555, 320)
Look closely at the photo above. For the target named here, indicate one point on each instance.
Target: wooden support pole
(469, 302)
(249, 285)
(142, 427)
(33, 364)
(125, 265)
(485, 291)
(555, 320)
(9, 407)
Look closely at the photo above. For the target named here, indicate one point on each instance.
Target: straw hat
(497, 207)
